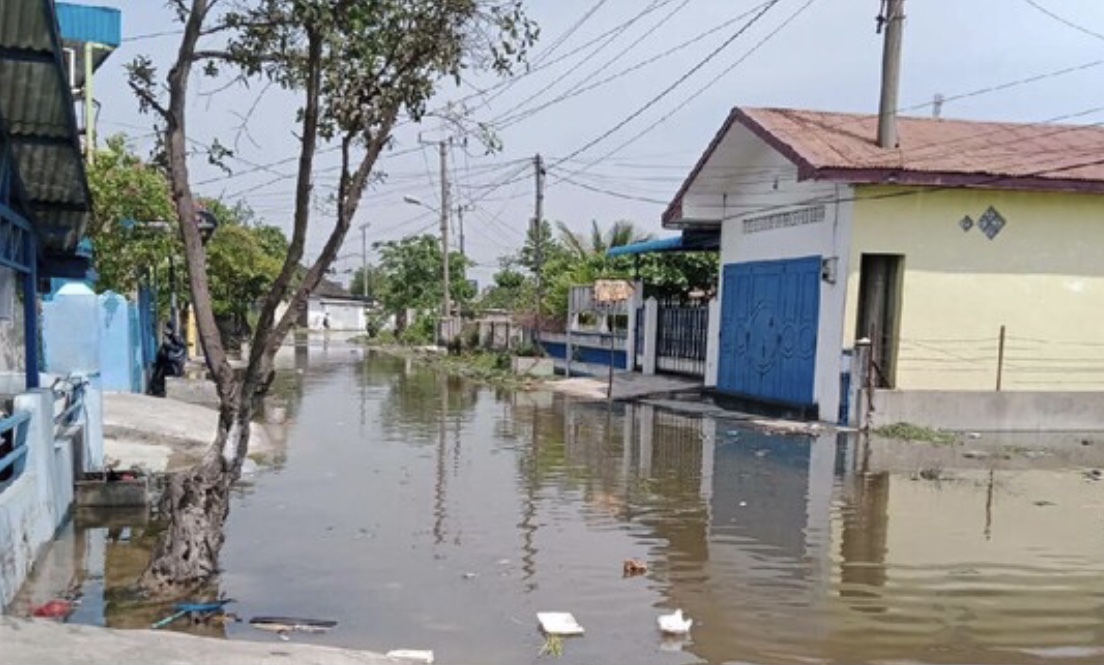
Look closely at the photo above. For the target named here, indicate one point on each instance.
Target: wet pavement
(421, 511)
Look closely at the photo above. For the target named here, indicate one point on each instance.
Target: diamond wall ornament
(991, 223)
(966, 223)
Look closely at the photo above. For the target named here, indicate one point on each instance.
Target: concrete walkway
(626, 385)
(44, 642)
(160, 434)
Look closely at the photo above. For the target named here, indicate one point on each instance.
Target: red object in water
(54, 609)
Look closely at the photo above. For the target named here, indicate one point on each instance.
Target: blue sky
(827, 57)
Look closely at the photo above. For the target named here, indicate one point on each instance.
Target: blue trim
(30, 313)
(16, 459)
(647, 247)
(84, 23)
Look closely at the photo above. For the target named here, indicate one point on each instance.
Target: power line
(512, 120)
(800, 10)
(571, 30)
(1064, 21)
(587, 60)
(670, 88)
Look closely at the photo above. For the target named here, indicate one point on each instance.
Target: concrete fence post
(713, 344)
(630, 338)
(651, 334)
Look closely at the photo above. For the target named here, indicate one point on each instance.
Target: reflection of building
(977, 563)
(752, 564)
(740, 520)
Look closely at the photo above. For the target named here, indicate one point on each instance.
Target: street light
(443, 212)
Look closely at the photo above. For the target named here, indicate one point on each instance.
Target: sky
(618, 149)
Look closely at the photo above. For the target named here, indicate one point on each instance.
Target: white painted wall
(344, 314)
(747, 179)
(35, 503)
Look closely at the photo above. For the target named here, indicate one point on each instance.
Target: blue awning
(687, 242)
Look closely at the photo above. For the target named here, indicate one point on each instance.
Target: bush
(421, 331)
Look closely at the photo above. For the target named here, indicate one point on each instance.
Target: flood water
(422, 511)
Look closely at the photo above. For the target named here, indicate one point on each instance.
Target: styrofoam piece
(559, 623)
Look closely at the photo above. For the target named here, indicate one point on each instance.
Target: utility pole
(460, 210)
(893, 20)
(538, 231)
(443, 150)
(364, 260)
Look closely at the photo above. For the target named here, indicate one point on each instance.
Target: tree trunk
(196, 504)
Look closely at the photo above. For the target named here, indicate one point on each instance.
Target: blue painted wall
(116, 343)
(585, 354)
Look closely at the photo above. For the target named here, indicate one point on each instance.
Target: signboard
(607, 291)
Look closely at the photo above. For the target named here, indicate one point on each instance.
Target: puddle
(420, 511)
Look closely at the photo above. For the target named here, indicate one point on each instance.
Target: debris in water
(284, 625)
(1044, 503)
(675, 623)
(1094, 474)
(742, 504)
(973, 435)
(503, 562)
(53, 609)
(559, 623)
(761, 453)
(633, 567)
(412, 655)
(470, 576)
(975, 454)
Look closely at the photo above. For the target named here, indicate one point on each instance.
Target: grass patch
(553, 646)
(910, 432)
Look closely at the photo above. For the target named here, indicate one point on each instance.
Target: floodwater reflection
(423, 511)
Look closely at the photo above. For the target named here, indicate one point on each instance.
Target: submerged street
(422, 511)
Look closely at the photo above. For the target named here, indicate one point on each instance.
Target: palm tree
(620, 233)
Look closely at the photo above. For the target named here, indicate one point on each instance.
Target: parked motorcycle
(169, 361)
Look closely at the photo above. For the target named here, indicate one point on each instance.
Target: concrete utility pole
(893, 19)
(538, 230)
(460, 210)
(364, 259)
(443, 150)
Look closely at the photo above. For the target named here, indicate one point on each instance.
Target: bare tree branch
(261, 340)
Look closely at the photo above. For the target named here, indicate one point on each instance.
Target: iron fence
(682, 337)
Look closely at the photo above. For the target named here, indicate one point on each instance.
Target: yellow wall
(1042, 277)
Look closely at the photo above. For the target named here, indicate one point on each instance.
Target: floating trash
(559, 623)
(633, 567)
(412, 655)
(285, 625)
(675, 623)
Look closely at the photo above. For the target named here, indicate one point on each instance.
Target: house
(44, 208)
(332, 306)
(968, 257)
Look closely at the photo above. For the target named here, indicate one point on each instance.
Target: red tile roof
(933, 152)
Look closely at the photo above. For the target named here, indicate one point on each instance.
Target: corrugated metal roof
(88, 23)
(939, 152)
(36, 109)
(933, 145)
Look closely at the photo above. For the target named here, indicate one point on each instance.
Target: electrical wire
(597, 70)
(1064, 21)
(636, 137)
(519, 117)
(674, 85)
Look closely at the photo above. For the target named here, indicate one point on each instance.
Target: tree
(511, 290)
(377, 282)
(357, 67)
(125, 188)
(411, 271)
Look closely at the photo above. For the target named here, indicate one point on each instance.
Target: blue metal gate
(769, 318)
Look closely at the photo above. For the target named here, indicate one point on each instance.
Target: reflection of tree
(413, 402)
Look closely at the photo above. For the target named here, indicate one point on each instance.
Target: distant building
(930, 250)
(332, 307)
